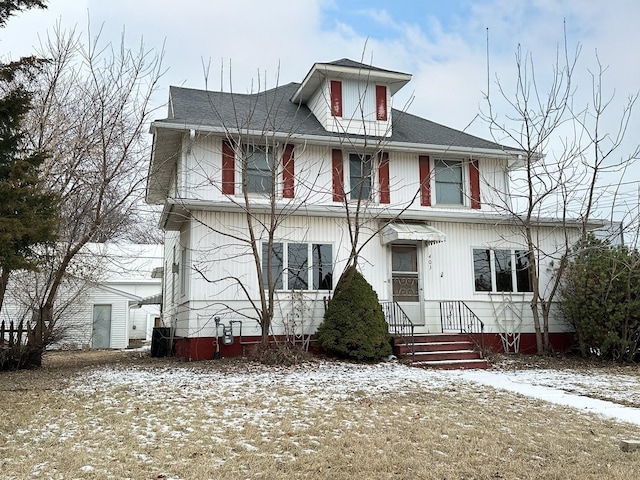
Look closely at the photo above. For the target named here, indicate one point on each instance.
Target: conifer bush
(354, 325)
(600, 299)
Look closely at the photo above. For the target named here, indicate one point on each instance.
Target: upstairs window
(381, 102)
(449, 182)
(501, 270)
(259, 165)
(336, 98)
(299, 266)
(360, 183)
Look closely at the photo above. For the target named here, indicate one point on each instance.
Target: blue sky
(363, 16)
(443, 44)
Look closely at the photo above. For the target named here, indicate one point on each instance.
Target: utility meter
(227, 335)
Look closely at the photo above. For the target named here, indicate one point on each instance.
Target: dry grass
(78, 418)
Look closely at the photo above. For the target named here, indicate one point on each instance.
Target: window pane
(522, 271)
(482, 270)
(502, 263)
(277, 265)
(448, 176)
(298, 266)
(404, 259)
(259, 169)
(360, 176)
(322, 267)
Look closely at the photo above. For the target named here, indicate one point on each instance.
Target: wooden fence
(17, 346)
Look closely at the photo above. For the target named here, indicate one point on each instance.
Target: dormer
(351, 97)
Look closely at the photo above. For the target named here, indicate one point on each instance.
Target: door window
(404, 275)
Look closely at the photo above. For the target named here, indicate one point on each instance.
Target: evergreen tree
(27, 210)
(600, 299)
(354, 325)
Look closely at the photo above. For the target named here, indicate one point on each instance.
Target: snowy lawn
(146, 418)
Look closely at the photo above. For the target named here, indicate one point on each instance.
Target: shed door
(101, 335)
(405, 278)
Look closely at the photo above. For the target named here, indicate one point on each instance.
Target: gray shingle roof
(345, 62)
(273, 111)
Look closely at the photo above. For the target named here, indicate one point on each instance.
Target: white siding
(203, 159)
(359, 111)
(319, 104)
(119, 315)
(404, 182)
(446, 269)
(313, 176)
(170, 279)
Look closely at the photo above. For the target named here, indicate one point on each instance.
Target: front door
(101, 337)
(405, 278)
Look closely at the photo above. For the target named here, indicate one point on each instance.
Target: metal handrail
(399, 324)
(455, 315)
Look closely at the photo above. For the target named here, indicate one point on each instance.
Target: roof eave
(176, 211)
(356, 141)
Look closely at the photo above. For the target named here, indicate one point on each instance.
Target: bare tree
(264, 151)
(91, 111)
(561, 190)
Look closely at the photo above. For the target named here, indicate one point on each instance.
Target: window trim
(371, 176)
(335, 98)
(273, 152)
(283, 275)
(381, 103)
(464, 180)
(513, 255)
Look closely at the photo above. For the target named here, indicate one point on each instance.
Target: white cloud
(285, 38)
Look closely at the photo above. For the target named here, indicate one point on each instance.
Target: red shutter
(474, 184)
(228, 169)
(381, 102)
(337, 168)
(383, 173)
(287, 171)
(425, 180)
(336, 98)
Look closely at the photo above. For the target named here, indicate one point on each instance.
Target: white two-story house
(307, 162)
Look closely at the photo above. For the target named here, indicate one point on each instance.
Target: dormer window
(381, 102)
(336, 98)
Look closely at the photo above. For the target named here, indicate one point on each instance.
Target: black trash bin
(161, 342)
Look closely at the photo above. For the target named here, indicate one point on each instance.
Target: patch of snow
(551, 386)
(317, 386)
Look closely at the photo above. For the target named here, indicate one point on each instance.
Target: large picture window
(360, 167)
(501, 270)
(259, 165)
(299, 266)
(449, 182)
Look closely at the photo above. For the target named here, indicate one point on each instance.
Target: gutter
(330, 140)
(184, 207)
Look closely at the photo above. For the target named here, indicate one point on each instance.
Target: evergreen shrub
(354, 325)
